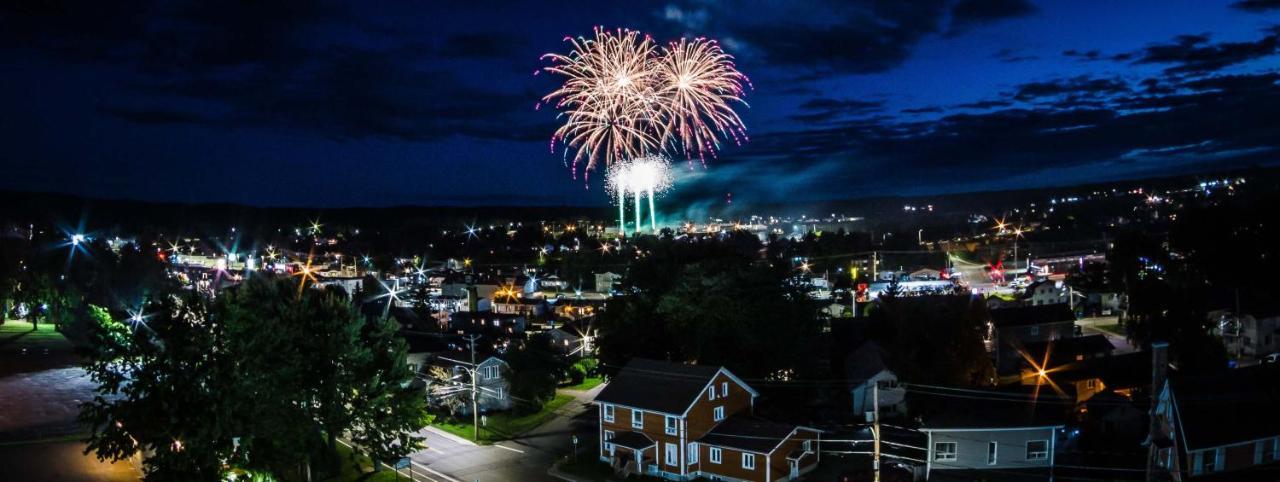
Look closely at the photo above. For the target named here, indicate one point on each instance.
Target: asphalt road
(525, 458)
(62, 462)
(1089, 326)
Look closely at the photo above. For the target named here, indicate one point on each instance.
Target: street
(1090, 326)
(449, 458)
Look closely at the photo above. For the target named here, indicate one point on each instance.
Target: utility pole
(875, 429)
(475, 372)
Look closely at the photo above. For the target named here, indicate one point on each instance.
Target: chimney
(1159, 373)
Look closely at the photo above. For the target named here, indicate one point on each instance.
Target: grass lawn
(587, 384)
(1113, 328)
(505, 425)
(23, 349)
(16, 335)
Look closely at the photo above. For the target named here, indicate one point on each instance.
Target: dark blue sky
(384, 103)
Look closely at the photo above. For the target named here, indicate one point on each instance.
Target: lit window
(1038, 450)
(749, 461)
(944, 451)
(714, 454)
(608, 413)
(637, 419)
(671, 454)
(718, 413)
(691, 455)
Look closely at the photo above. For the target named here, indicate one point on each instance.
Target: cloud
(289, 65)
(1256, 6)
(479, 45)
(1195, 54)
(1074, 88)
(824, 109)
(966, 14)
(1008, 55)
(834, 36)
(1212, 122)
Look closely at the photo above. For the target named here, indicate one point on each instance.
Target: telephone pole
(475, 373)
(875, 429)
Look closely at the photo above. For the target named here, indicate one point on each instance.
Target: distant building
(493, 387)
(1014, 328)
(1248, 336)
(607, 281)
(1048, 292)
(865, 369)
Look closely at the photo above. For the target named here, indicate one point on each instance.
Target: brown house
(685, 421)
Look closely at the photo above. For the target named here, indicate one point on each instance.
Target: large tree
(935, 339)
(261, 379)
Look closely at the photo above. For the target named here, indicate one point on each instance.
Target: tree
(934, 339)
(535, 371)
(261, 379)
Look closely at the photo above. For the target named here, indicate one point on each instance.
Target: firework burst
(625, 98)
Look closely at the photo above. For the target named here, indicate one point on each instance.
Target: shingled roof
(1032, 315)
(657, 386)
(749, 434)
(1232, 406)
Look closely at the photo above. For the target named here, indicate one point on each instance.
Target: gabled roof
(1066, 349)
(953, 409)
(865, 362)
(632, 440)
(1232, 406)
(749, 434)
(660, 386)
(1032, 315)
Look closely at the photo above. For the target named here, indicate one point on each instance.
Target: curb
(451, 437)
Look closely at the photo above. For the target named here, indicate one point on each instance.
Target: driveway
(449, 458)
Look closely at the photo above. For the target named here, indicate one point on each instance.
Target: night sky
(432, 102)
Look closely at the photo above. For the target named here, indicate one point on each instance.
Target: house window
(991, 453)
(1038, 450)
(714, 454)
(637, 419)
(944, 451)
(711, 393)
(808, 446)
(1091, 384)
(749, 461)
(671, 454)
(724, 389)
(608, 447)
(691, 455)
(718, 414)
(608, 413)
(1035, 329)
(670, 425)
(1209, 460)
(1274, 452)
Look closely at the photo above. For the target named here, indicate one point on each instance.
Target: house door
(795, 468)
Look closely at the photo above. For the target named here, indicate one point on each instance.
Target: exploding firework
(623, 97)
